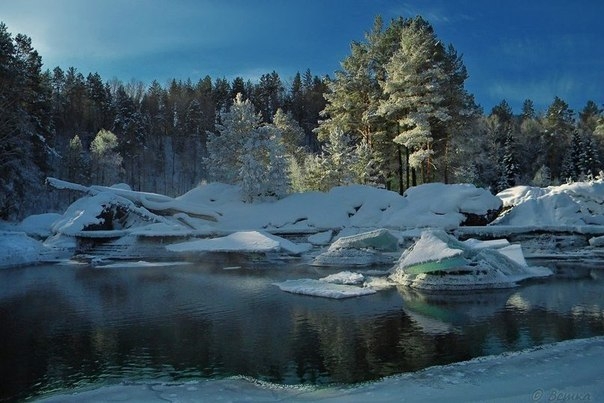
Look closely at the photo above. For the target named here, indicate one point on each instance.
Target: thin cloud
(540, 91)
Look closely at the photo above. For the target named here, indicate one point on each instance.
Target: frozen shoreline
(564, 371)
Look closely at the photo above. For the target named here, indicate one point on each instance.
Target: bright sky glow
(513, 50)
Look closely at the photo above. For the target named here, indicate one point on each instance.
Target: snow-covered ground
(565, 371)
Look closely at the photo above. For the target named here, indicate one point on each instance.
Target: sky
(513, 49)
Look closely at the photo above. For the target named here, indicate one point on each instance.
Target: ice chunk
(438, 261)
(318, 288)
(363, 249)
(345, 277)
(431, 247)
(379, 239)
(321, 238)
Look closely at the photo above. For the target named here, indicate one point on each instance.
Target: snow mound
(438, 261)
(574, 204)
(38, 225)
(17, 249)
(244, 241)
(448, 206)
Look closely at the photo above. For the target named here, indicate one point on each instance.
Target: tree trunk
(400, 171)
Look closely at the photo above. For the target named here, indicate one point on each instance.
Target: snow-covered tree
(248, 153)
(366, 165)
(543, 177)
(105, 160)
(292, 135)
(263, 165)
(224, 147)
(581, 160)
(413, 90)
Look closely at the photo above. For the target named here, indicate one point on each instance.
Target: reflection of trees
(83, 325)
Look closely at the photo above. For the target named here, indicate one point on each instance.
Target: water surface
(66, 326)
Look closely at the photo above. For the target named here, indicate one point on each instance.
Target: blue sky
(513, 49)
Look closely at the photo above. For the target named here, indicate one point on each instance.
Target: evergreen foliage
(398, 106)
(105, 159)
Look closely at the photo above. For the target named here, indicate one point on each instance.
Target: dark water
(68, 326)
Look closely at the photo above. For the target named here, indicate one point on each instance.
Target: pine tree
(224, 147)
(292, 137)
(413, 87)
(558, 125)
(509, 165)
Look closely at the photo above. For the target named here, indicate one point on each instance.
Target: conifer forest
(396, 114)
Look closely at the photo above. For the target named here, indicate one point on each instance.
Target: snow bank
(219, 206)
(38, 225)
(438, 261)
(245, 241)
(575, 204)
(17, 249)
(565, 371)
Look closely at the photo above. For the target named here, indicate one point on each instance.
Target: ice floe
(340, 285)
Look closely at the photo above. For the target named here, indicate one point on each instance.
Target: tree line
(395, 115)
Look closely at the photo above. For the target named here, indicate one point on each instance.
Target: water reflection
(65, 326)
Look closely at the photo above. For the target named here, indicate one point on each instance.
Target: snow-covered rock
(597, 241)
(574, 204)
(438, 261)
(363, 249)
(448, 206)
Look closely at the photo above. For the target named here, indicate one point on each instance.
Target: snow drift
(574, 204)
